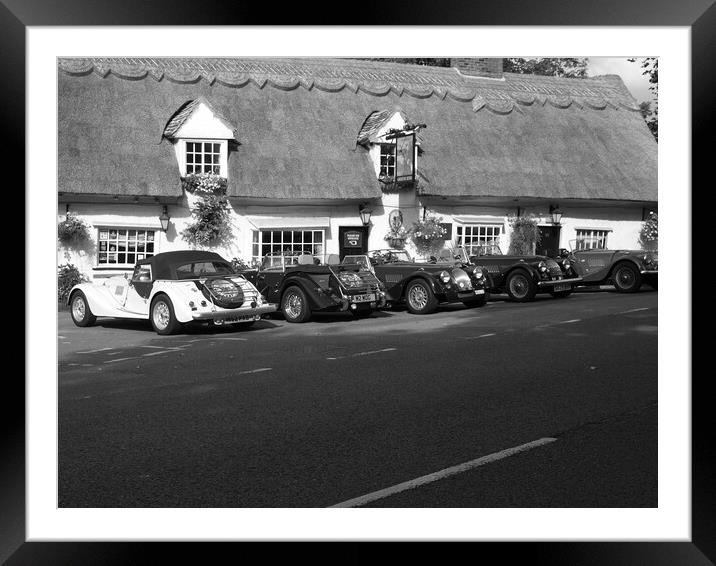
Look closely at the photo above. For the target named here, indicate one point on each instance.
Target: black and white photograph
(344, 282)
(371, 284)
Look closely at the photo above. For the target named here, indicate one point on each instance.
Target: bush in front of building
(72, 231)
(649, 234)
(210, 221)
(68, 275)
(428, 235)
(525, 235)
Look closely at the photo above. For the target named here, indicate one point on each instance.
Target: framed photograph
(570, 424)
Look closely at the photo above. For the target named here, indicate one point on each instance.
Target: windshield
(195, 270)
(389, 256)
(486, 250)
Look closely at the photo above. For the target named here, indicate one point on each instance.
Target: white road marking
(259, 370)
(230, 338)
(570, 321)
(634, 310)
(61, 337)
(363, 353)
(120, 360)
(157, 353)
(95, 351)
(442, 474)
(157, 347)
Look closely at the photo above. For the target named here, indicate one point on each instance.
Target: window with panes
(287, 241)
(387, 160)
(473, 235)
(203, 157)
(124, 246)
(592, 239)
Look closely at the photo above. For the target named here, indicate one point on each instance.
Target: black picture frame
(16, 15)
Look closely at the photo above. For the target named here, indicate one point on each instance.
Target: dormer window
(387, 161)
(201, 138)
(203, 157)
(393, 146)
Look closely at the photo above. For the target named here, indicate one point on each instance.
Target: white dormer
(382, 151)
(201, 138)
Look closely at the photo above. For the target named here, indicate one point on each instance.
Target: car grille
(553, 268)
(370, 284)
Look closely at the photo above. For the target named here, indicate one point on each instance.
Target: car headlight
(444, 277)
(566, 264)
(477, 273)
(542, 266)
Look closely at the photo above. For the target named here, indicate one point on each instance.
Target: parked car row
(171, 289)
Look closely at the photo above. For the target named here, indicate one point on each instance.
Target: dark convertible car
(522, 277)
(424, 285)
(302, 284)
(625, 269)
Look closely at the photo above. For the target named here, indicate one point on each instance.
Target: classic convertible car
(625, 269)
(170, 289)
(422, 286)
(522, 277)
(301, 284)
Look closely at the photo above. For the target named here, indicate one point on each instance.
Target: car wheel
(294, 305)
(420, 298)
(80, 310)
(626, 278)
(560, 294)
(478, 302)
(162, 316)
(653, 282)
(520, 286)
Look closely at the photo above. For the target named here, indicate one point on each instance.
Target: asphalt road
(395, 410)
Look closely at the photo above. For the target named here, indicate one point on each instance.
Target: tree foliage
(525, 235)
(556, 67)
(650, 68)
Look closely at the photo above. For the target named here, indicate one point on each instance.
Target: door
(549, 241)
(353, 240)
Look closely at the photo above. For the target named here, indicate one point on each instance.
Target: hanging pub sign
(404, 155)
(353, 239)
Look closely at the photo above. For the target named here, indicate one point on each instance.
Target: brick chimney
(478, 66)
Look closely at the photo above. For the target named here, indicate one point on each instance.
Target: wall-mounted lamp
(364, 215)
(164, 219)
(556, 214)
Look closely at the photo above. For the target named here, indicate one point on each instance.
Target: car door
(139, 289)
(268, 282)
(593, 265)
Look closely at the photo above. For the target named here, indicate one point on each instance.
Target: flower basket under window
(204, 184)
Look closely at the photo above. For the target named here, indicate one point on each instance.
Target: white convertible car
(170, 289)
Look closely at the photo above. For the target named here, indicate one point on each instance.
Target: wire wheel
(626, 278)
(520, 287)
(295, 305)
(420, 298)
(80, 311)
(160, 315)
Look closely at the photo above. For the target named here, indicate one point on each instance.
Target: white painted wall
(625, 223)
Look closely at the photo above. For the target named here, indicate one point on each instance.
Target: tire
(161, 315)
(294, 305)
(653, 282)
(420, 298)
(560, 294)
(626, 278)
(520, 286)
(477, 302)
(80, 311)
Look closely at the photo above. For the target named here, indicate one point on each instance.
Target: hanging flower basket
(396, 238)
(72, 231)
(428, 235)
(204, 184)
(396, 242)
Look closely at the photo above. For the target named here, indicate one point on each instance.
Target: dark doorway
(353, 240)
(549, 241)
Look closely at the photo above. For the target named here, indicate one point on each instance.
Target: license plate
(479, 291)
(363, 298)
(234, 319)
(563, 287)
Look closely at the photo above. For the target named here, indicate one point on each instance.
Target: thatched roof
(298, 122)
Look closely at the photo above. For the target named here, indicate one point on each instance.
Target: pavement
(424, 411)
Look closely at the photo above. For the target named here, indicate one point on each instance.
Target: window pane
(216, 148)
(308, 237)
(318, 236)
(207, 147)
(276, 237)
